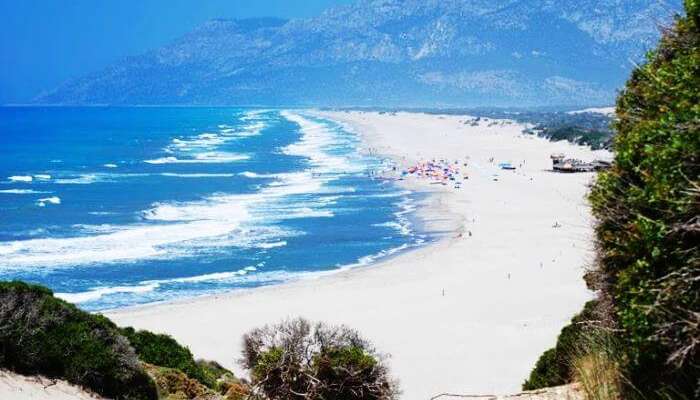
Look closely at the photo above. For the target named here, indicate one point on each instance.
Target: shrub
(554, 368)
(173, 384)
(164, 351)
(223, 379)
(648, 226)
(295, 360)
(40, 334)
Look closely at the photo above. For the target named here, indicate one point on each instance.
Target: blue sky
(45, 42)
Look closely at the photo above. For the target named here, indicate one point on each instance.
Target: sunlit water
(113, 207)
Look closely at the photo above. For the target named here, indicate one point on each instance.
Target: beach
(470, 313)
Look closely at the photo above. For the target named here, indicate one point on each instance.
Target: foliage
(40, 334)
(295, 360)
(173, 384)
(164, 351)
(224, 380)
(648, 225)
(596, 139)
(554, 368)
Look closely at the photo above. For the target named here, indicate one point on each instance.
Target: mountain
(394, 53)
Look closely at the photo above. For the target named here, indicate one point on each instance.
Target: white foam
(42, 177)
(49, 200)
(307, 212)
(253, 175)
(20, 178)
(281, 243)
(202, 158)
(110, 165)
(318, 144)
(173, 230)
(175, 175)
(404, 229)
(97, 293)
(126, 244)
(151, 285)
(367, 260)
(22, 191)
(84, 179)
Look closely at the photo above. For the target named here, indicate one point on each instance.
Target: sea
(116, 207)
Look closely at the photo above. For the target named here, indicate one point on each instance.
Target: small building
(569, 165)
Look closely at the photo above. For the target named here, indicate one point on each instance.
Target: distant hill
(394, 53)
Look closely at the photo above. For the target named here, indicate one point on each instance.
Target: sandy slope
(18, 387)
(508, 288)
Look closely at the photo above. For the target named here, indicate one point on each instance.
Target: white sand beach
(469, 314)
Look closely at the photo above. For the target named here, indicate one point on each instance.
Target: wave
(170, 230)
(84, 179)
(239, 276)
(68, 178)
(49, 200)
(271, 245)
(202, 158)
(22, 191)
(124, 245)
(254, 175)
(206, 142)
(372, 258)
(97, 293)
(110, 165)
(28, 178)
(20, 178)
(402, 228)
(319, 145)
(175, 175)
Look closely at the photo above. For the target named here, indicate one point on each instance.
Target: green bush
(164, 351)
(648, 226)
(555, 366)
(40, 334)
(295, 360)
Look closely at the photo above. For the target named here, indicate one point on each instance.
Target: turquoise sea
(112, 207)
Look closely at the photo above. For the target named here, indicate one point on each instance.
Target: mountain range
(418, 53)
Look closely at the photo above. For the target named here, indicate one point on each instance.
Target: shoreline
(455, 314)
(431, 218)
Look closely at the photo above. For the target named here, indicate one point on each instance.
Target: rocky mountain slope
(395, 53)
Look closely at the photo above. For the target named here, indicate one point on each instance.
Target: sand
(18, 387)
(469, 314)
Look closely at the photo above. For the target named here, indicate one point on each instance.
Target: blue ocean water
(112, 207)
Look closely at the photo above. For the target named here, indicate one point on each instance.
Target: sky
(46, 42)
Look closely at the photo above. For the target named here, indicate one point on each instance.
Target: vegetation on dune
(42, 335)
(596, 139)
(173, 384)
(647, 208)
(555, 367)
(164, 351)
(295, 360)
(648, 212)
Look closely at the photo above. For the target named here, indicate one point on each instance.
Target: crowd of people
(443, 172)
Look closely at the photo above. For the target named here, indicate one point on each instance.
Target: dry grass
(598, 370)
